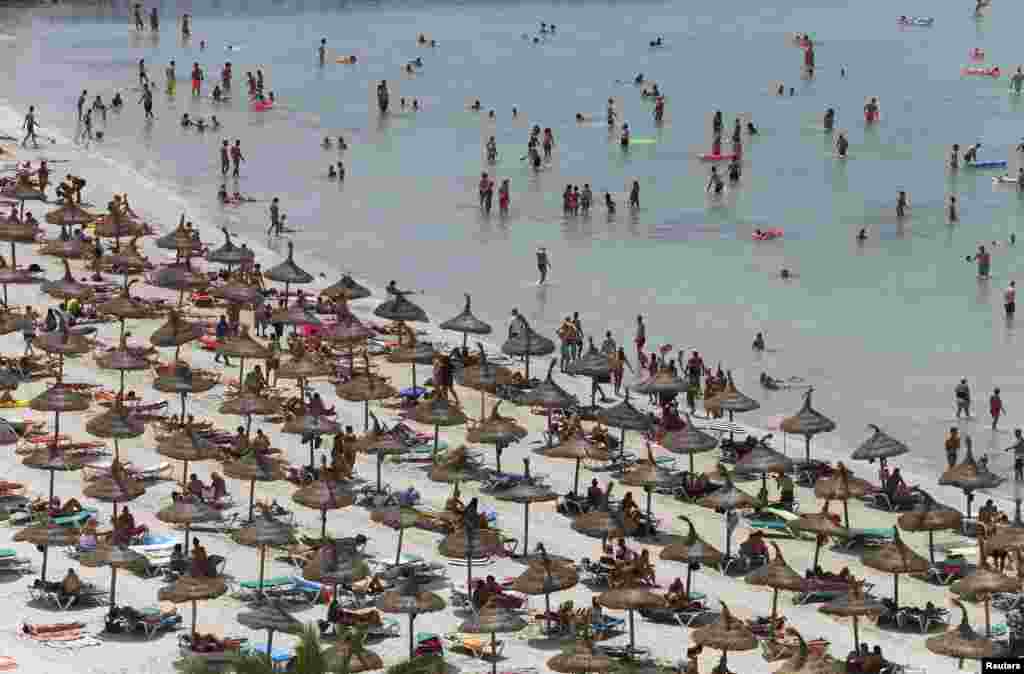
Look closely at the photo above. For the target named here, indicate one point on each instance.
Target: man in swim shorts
(322, 50)
(275, 217)
(225, 158)
(236, 157)
(30, 125)
(640, 337)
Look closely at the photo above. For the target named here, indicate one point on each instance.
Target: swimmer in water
(862, 235)
(580, 118)
(842, 145)
(954, 216)
(214, 122)
(326, 144)
(342, 145)
(758, 344)
(734, 171)
(901, 204)
(185, 121)
(331, 173)
(751, 129)
(639, 79)
(222, 194)
(954, 156)
(830, 120)
(624, 140)
(785, 274)
(715, 183)
(490, 115)
(475, 106)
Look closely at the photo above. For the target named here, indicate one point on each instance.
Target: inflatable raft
(981, 71)
(768, 234)
(717, 157)
(915, 20)
(988, 163)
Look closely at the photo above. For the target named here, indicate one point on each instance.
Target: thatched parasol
(963, 643)
(67, 288)
(930, 516)
(895, 558)
(731, 400)
(271, 616)
(418, 353)
(592, 364)
(183, 381)
(243, 346)
(649, 475)
(689, 440)
(603, 522)
(437, 412)
(71, 248)
(46, 536)
(625, 417)
(182, 239)
(580, 658)
(188, 511)
(178, 276)
(117, 423)
(69, 215)
(255, 467)
(60, 398)
(725, 498)
(411, 601)
(842, 486)
(664, 382)
(22, 191)
(467, 324)
(229, 253)
(630, 599)
(549, 396)
(982, 583)
(763, 459)
(545, 576)
(880, 445)
(692, 550)
(493, 620)
(823, 524)
(310, 426)
(288, 272)
(854, 605)
(808, 422)
(125, 306)
(365, 388)
(265, 530)
(526, 492)
(778, 575)
(807, 662)
(398, 308)
(62, 342)
(725, 634)
(236, 292)
(192, 589)
(346, 288)
(117, 487)
(11, 276)
(125, 259)
(467, 542)
(116, 557)
(176, 331)
(16, 231)
(498, 431)
(969, 476)
(295, 314)
(116, 223)
(397, 517)
(526, 343)
(324, 495)
(578, 448)
(305, 366)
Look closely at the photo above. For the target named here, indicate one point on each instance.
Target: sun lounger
(744, 560)
(250, 589)
(279, 657)
(824, 589)
(474, 644)
(865, 537)
(388, 627)
(76, 520)
(211, 657)
(307, 590)
(15, 564)
(924, 619)
(607, 624)
(89, 594)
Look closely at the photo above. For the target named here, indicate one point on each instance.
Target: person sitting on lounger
(261, 443)
(255, 382)
(629, 507)
(178, 563)
(599, 436)
(220, 488)
(200, 566)
(595, 495)
(71, 586)
(676, 593)
(645, 570)
(195, 486)
(754, 545)
(70, 507)
(622, 553)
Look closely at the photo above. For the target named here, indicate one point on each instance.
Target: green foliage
(425, 664)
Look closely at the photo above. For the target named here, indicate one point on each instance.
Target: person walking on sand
(236, 157)
(640, 340)
(81, 103)
(543, 265)
(275, 217)
(1010, 299)
(952, 446)
(619, 362)
(962, 394)
(995, 407)
(225, 157)
(147, 102)
(30, 125)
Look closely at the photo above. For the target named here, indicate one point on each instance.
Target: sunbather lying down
(51, 628)
(208, 643)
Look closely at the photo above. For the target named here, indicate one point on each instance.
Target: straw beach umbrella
(417, 353)
(549, 396)
(982, 583)
(725, 498)
(630, 599)
(69, 214)
(895, 558)
(265, 530)
(526, 492)
(604, 522)
(725, 634)
(124, 306)
(116, 557)
(763, 459)
(692, 550)
(806, 661)
(364, 389)
(175, 332)
(842, 486)
(879, 446)
(467, 324)
(346, 288)
(437, 412)
(526, 342)
(856, 604)
(117, 487)
(183, 381)
(67, 288)
(690, 440)
(408, 599)
(247, 405)
(186, 445)
(351, 650)
(930, 517)
(288, 272)
(468, 542)
(382, 445)
(664, 382)
(625, 417)
(189, 589)
(57, 399)
(255, 467)
(822, 525)
(731, 400)
(579, 448)
(237, 292)
(185, 511)
(324, 495)
(649, 475)
(46, 536)
(399, 308)
(229, 253)
(500, 431)
(592, 364)
(271, 616)
(493, 620)
(580, 658)
(808, 422)
(396, 517)
(778, 575)
(62, 342)
(962, 642)
(969, 476)
(243, 346)
(545, 576)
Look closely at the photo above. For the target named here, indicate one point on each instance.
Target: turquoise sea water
(884, 330)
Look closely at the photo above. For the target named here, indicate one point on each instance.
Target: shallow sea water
(882, 330)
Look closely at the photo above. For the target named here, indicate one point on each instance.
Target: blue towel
(277, 655)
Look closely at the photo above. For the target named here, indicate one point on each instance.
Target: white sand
(666, 643)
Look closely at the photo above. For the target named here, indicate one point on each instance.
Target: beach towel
(7, 664)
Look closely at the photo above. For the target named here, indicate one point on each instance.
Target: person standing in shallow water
(322, 51)
(543, 265)
(1010, 299)
(962, 393)
(952, 446)
(995, 407)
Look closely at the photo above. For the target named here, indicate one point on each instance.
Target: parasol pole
(323, 523)
(270, 644)
(931, 546)
(412, 636)
(366, 416)
(576, 478)
(188, 534)
(526, 530)
(263, 552)
(846, 513)
(632, 635)
(689, 579)
(494, 654)
(896, 590)
(252, 497)
(988, 616)
(807, 448)
(856, 635)
(498, 449)
(775, 605)
(398, 552)
(113, 585)
(380, 464)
